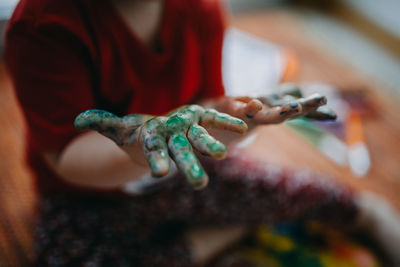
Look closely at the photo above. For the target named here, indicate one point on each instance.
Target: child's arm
(93, 160)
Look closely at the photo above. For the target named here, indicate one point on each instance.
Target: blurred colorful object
(358, 155)
(296, 244)
(254, 67)
(341, 141)
(327, 143)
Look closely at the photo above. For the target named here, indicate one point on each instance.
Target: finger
(312, 102)
(179, 122)
(322, 113)
(281, 101)
(135, 120)
(95, 119)
(102, 121)
(244, 99)
(186, 161)
(252, 107)
(205, 143)
(278, 114)
(214, 119)
(121, 130)
(286, 93)
(242, 107)
(155, 150)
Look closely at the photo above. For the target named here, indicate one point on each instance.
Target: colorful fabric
(296, 244)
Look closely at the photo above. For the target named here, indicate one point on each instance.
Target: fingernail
(159, 169)
(321, 100)
(198, 178)
(249, 116)
(196, 172)
(218, 150)
(218, 147)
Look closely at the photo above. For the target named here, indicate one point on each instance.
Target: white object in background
(359, 159)
(250, 66)
(384, 13)
(355, 49)
(358, 155)
(334, 149)
(6, 8)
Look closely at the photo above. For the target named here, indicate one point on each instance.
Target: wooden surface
(273, 143)
(278, 143)
(17, 198)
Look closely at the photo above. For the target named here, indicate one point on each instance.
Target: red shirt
(65, 57)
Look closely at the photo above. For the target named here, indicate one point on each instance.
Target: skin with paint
(287, 102)
(311, 107)
(184, 129)
(174, 134)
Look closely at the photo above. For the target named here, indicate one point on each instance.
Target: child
(126, 57)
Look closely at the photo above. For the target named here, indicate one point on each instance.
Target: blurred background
(352, 45)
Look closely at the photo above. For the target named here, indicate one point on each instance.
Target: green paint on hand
(222, 117)
(196, 172)
(237, 121)
(176, 122)
(216, 147)
(189, 157)
(180, 141)
(156, 132)
(196, 131)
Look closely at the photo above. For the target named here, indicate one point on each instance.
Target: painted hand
(277, 107)
(168, 136)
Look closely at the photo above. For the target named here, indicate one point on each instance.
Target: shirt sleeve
(50, 70)
(211, 32)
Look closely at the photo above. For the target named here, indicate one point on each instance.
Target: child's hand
(164, 136)
(277, 107)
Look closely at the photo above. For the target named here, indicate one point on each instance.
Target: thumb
(120, 130)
